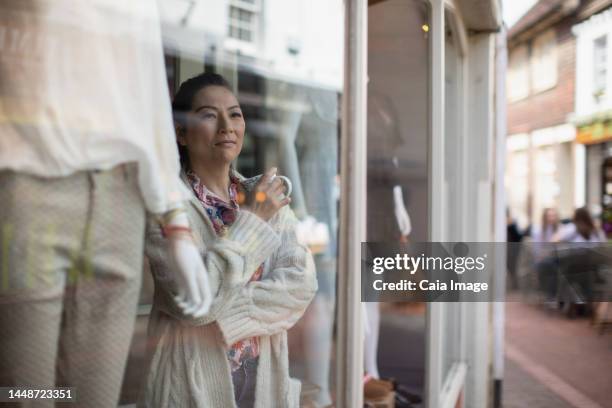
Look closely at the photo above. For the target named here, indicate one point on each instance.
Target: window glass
(600, 69)
(544, 62)
(518, 74)
(289, 86)
(88, 79)
(289, 90)
(397, 174)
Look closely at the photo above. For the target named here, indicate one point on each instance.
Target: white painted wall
(586, 33)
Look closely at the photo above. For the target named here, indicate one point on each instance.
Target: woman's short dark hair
(183, 102)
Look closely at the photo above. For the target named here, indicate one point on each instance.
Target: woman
(262, 278)
(582, 229)
(513, 238)
(577, 263)
(543, 236)
(543, 251)
(549, 226)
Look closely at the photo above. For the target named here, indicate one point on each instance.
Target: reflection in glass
(284, 61)
(397, 174)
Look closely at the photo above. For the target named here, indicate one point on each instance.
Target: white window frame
(469, 378)
(444, 389)
(353, 165)
(248, 47)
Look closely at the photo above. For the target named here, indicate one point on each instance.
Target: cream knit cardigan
(188, 362)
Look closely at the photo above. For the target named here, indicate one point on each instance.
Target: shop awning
(597, 132)
(595, 128)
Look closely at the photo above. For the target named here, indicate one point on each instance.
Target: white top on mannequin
(83, 87)
(401, 214)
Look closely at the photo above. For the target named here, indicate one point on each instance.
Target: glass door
(398, 177)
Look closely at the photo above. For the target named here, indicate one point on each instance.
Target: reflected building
(558, 111)
(593, 109)
(540, 91)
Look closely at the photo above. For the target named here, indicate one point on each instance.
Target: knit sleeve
(275, 303)
(230, 262)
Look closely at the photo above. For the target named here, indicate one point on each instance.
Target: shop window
(293, 123)
(544, 62)
(518, 74)
(600, 70)
(397, 174)
(292, 118)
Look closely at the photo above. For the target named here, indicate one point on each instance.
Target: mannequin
(290, 106)
(317, 143)
(308, 154)
(86, 150)
(384, 134)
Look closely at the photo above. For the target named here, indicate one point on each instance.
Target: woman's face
(215, 127)
(551, 217)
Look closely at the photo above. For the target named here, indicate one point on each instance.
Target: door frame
(353, 165)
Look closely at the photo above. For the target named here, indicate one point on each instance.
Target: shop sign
(594, 133)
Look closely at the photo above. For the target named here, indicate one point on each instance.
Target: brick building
(546, 165)
(541, 78)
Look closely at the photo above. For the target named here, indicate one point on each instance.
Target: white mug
(287, 182)
(288, 185)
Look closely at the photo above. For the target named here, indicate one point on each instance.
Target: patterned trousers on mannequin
(70, 274)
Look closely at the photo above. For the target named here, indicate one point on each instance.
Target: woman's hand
(268, 196)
